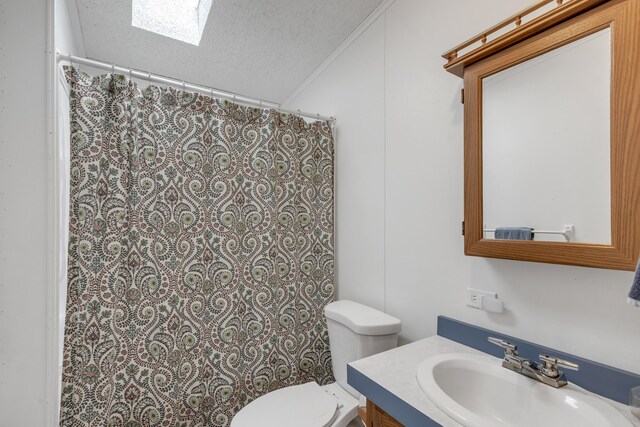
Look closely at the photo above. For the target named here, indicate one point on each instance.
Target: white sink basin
(476, 391)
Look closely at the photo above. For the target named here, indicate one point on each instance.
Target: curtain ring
(113, 69)
(260, 100)
(318, 116)
(71, 60)
(149, 77)
(184, 86)
(234, 98)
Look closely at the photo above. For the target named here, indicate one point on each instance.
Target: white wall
(400, 195)
(23, 220)
(360, 192)
(25, 214)
(68, 34)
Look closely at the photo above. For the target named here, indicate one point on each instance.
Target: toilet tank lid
(362, 319)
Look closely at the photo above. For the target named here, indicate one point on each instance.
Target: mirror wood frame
(623, 17)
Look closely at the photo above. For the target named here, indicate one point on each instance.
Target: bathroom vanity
(391, 383)
(375, 416)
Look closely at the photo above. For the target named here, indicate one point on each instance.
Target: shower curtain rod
(156, 78)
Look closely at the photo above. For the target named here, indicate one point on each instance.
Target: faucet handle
(509, 348)
(551, 364)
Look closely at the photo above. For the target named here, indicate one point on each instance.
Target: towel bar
(567, 231)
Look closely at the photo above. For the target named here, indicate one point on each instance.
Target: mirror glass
(546, 145)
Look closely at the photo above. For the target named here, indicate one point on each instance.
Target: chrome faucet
(546, 372)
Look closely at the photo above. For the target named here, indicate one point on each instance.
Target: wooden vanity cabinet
(374, 416)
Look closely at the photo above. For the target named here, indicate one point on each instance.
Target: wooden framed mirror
(552, 134)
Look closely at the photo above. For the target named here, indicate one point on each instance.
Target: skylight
(182, 20)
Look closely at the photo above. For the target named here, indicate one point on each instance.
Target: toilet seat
(301, 405)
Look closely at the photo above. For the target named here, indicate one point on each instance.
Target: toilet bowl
(355, 331)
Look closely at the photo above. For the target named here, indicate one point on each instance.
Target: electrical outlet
(474, 297)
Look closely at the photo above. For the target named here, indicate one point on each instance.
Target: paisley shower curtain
(200, 255)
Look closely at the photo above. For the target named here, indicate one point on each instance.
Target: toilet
(355, 331)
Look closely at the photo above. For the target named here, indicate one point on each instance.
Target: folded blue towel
(514, 233)
(634, 293)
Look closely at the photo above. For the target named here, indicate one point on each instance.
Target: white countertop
(395, 370)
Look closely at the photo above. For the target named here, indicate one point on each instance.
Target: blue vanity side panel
(393, 405)
(601, 379)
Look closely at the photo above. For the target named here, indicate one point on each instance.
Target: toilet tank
(357, 331)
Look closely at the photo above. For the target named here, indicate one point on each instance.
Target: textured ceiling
(259, 48)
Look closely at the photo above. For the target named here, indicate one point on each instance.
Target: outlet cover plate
(474, 297)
